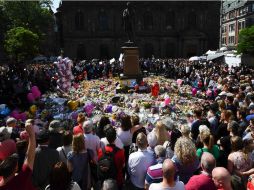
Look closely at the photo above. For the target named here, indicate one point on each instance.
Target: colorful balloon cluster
(34, 94)
(64, 66)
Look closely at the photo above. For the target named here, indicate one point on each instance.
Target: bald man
(222, 178)
(204, 180)
(168, 181)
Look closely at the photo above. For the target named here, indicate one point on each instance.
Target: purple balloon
(30, 97)
(108, 109)
(89, 109)
(23, 116)
(74, 115)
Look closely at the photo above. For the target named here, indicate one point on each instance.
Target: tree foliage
(21, 44)
(33, 15)
(246, 41)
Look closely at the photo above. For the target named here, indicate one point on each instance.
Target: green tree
(34, 15)
(246, 41)
(21, 44)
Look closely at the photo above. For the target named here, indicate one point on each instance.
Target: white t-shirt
(157, 186)
(138, 164)
(125, 136)
(75, 186)
(118, 142)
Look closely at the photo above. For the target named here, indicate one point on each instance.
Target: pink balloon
(215, 92)
(30, 97)
(179, 82)
(194, 91)
(209, 92)
(167, 101)
(34, 88)
(37, 94)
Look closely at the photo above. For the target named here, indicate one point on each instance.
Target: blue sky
(55, 5)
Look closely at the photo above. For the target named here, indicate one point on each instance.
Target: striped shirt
(154, 174)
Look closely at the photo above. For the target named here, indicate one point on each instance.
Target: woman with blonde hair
(207, 140)
(78, 162)
(161, 133)
(185, 130)
(185, 159)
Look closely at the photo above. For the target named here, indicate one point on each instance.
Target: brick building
(92, 29)
(235, 15)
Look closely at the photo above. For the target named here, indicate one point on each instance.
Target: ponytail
(211, 142)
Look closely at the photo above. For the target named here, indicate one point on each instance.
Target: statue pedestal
(131, 68)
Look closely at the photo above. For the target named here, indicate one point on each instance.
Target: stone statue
(128, 19)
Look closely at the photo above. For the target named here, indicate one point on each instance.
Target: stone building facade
(93, 29)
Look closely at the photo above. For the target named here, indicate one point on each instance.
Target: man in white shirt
(168, 181)
(139, 162)
(92, 141)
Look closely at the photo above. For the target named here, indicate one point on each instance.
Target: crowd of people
(212, 150)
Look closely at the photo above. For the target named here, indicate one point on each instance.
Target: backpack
(106, 165)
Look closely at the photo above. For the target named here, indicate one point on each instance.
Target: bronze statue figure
(128, 19)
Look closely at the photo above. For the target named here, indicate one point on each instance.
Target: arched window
(103, 21)
(81, 51)
(170, 20)
(79, 20)
(148, 20)
(104, 51)
(192, 19)
(148, 50)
